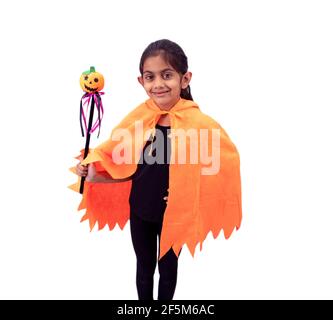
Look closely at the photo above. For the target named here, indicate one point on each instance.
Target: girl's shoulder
(202, 120)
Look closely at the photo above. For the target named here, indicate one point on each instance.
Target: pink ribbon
(99, 106)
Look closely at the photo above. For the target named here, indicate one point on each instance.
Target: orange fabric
(197, 203)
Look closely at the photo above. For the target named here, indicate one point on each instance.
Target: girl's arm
(89, 171)
(103, 177)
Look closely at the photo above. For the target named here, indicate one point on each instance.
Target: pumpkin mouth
(90, 89)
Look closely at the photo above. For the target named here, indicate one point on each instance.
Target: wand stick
(86, 149)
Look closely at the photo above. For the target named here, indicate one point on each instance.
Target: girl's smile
(159, 94)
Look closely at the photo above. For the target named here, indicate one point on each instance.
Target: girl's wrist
(105, 178)
(89, 179)
(99, 177)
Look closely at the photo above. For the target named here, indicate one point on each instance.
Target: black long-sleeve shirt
(150, 182)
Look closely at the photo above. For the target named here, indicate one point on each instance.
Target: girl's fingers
(82, 171)
(83, 174)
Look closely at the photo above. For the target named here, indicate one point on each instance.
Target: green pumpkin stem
(92, 69)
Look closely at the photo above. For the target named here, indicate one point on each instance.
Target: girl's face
(162, 82)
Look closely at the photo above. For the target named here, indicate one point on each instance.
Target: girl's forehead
(156, 64)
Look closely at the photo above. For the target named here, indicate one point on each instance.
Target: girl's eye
(148, 77)
(167, 76)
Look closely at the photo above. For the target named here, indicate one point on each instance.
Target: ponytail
(186, 93)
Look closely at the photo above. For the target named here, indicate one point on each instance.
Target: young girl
(170, 202)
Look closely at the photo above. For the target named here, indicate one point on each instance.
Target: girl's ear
(140, 79)
(186, 79)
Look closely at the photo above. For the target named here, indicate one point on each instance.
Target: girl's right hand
(87, 171)
(81, 170)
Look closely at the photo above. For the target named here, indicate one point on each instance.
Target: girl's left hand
(166, 197)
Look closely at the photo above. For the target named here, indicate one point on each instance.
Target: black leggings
(144, 238)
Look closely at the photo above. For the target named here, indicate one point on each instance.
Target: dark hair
(172, 54)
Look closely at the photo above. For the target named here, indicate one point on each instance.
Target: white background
(263, 69)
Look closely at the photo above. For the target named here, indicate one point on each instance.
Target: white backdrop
(263, 69)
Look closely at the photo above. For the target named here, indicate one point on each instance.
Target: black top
(150, 182)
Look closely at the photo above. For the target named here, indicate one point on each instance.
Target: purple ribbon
(86, 98)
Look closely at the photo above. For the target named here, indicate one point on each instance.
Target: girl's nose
(158, 82)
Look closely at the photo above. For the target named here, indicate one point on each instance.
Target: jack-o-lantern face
(91, 81)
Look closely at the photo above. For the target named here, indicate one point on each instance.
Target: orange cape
(197, 203)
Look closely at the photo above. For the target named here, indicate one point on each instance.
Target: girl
(161, 196)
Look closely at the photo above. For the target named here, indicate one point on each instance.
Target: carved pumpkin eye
(86, 78)
(96, 79)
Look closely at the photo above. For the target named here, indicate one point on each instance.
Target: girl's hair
(172, 54)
